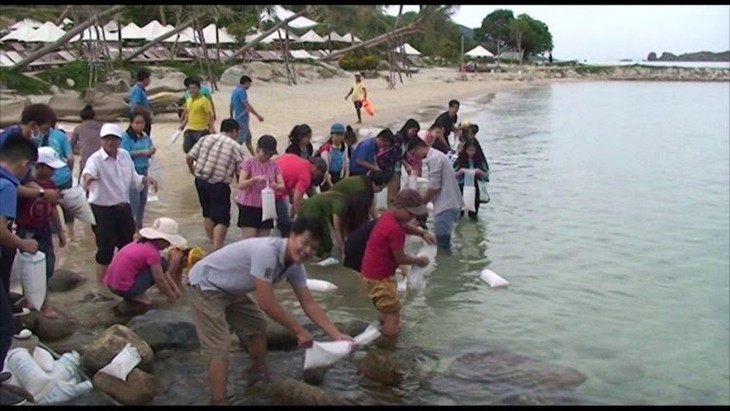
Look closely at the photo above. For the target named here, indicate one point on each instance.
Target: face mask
(37, 138)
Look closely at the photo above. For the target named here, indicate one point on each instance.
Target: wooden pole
(410, 28)
(262, 36)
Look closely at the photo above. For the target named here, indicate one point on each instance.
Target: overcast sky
(610, 33)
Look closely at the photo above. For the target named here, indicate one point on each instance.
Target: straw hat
(166, 229)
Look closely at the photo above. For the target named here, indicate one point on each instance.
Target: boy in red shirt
(384, 252)
(34, 216)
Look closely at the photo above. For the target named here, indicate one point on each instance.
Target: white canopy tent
(185, 36)
(333, 36)
(281, 14)
(26, 23)
(111, 27)
(279, 35)
(408, 50)
(223, 36)
(350, 38)
(47, 33)
(479, 51)
(311, 37)
(132, 32)
(20, 34)
(153, 30)
(90, 34)
(67, 22)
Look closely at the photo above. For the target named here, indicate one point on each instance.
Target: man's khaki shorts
(216, 312)
(383, 293)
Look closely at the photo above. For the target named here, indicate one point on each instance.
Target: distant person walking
(138, 100)
(199, 116)
(239, 110)
(359, 93)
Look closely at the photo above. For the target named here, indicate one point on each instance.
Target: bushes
(359, 60)
(23, 84)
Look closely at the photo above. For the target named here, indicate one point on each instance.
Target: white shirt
(114, 177)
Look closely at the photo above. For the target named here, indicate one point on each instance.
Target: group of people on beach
(321, 201)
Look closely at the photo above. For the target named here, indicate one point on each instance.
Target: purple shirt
(251, 195)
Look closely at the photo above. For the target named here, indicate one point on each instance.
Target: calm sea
(610, 217)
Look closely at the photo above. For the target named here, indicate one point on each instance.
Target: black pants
(114, 228)
(148, 125)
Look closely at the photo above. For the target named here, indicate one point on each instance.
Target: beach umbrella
(209, 33)
(333, 36)
(311, 37)
(20, 34)
(132, 32)
(26, 23)
(281, 13)
(152, 30)
(350, 38)
(408, 50)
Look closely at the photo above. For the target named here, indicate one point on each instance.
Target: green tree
(495, 28)
(530, 36)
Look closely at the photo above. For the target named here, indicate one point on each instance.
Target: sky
(608, 33)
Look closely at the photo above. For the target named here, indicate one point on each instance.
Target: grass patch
(22, 83)
(587, 69)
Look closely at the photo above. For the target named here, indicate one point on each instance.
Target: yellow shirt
(358, 91)
(199, 112)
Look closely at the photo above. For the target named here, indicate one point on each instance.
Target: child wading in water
(138, 265)
(469, 159)
(35, 214)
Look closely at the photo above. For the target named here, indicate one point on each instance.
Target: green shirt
(350, 185)
(323, 205)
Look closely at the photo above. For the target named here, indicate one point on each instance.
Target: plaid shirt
(217, 157)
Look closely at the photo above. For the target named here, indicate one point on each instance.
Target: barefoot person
(384, 251)
(109, 175)
(35, 216)
(138, 265)
(240, 109)
(359, 93)
(219, 288)
(213, 161)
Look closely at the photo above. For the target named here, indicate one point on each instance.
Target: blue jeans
(283, 219)
(142, 282)
(138, 201)
(444, 225)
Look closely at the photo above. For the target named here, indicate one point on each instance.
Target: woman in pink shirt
(139, 265)
(256, 173)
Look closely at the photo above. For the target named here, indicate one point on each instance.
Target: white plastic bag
(381, 199)
(43, 358)
(62, 391)
(66, 367)
(412, 182)
(327, 262)
(178, 132)
(493, 279)
(123, 363)
(268, 204)
(483, 193)
(74, 199)
(155, 171)
(324, 354)
(16, 285)
(320, 285)
(33, 277)
(366, 337)
(27, 372)
(415, 278)
(470, 192)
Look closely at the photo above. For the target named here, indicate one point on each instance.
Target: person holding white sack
(218, 291)
(469, 162)
(16, 158)
(109, 175)
(256, 174)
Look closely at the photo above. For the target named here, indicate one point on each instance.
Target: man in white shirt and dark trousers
(108, 176)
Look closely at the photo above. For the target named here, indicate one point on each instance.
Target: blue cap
(337, 128)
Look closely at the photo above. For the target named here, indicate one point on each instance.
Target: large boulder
(259, 70)
(113, 86)
(174, 81)
(104, 348)
(163, 329)
(232, 75)
(140, 387)
(109, 106)
(123, 75)
(55, 329)
(288, 391)
(64, 280)
(11, 109)
(380, 366)
(67, 105)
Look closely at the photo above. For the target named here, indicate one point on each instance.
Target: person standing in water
(359, 93)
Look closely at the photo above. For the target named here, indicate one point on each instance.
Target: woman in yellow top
(199, 116)
(358, 95)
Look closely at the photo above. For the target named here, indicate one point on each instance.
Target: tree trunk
(66, 37)
(262, 36)
(211, 80)
(62, 17)
(409, 29)
(159, 39)
(119, 39)
(162, 15)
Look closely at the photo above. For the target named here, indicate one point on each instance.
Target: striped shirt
(217, 157)
(251, 195)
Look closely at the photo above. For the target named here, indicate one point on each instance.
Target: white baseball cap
(111, 129)
(49, 157)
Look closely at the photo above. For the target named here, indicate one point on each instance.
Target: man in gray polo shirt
(443, 190)
(218, 293)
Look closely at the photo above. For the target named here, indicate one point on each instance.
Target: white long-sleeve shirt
(114, 177)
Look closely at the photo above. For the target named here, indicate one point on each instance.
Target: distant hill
(466, 32)
(694, 57)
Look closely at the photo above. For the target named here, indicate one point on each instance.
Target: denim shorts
(444, 226)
